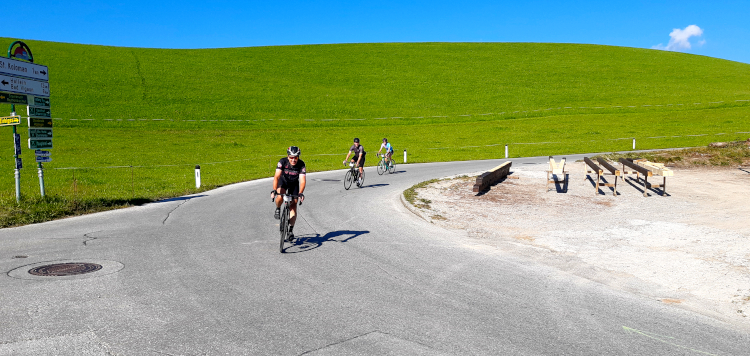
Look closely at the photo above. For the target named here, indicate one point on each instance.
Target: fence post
(404, 156)
(197, 176)
(506, 151)
(633, 142)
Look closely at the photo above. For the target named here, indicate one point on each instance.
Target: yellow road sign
(10, 120)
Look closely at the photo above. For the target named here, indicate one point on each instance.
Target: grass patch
(734, 154)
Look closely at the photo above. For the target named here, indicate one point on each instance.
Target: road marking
(662, 338)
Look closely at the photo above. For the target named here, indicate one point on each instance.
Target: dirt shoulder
(690, 248)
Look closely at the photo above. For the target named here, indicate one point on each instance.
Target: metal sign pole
(16, 160)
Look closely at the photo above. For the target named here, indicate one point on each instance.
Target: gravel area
(690, 248)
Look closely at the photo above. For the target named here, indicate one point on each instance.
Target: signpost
(11, 98)
(24, 82)
(10, 120)
(35, 111)
(40, 133)
(18, 68)
(36, 144)
(34, 122)
(24, 86)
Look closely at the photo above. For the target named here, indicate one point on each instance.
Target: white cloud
(680, 39)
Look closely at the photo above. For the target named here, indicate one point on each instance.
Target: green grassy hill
(235, 110)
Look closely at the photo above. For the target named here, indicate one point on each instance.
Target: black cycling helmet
(356, 140)
(293, 151)
(385, 140)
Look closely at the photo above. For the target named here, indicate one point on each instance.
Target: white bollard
(633, 143)
(506, 151)
(197, 176)
(404, 156)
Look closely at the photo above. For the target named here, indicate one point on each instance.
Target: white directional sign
(23, 69)
(41, 153)
(43, 159)
(24, 86)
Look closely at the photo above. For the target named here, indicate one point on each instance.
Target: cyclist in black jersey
(359, 157)
(290, 176)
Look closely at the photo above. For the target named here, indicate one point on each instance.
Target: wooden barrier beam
(487, 179)
(607, 166)
(629, 163)
(599, 173)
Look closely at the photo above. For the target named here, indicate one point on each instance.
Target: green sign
(37, 144)
(35, 111)
(40, 122)
(10, 120)
(11, 98)
(41, 102)
(40, 133)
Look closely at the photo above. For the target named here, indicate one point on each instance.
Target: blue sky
(721, 28)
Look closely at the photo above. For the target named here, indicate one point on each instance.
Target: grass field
(234, 111)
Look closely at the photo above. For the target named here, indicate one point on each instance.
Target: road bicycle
(352, 175)
(384, 166)
(284, 217)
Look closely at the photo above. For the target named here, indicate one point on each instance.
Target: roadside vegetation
(727, 154)
(133, 122)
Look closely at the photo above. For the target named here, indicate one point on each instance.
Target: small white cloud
(680, 39)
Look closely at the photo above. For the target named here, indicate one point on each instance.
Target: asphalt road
(202, 275)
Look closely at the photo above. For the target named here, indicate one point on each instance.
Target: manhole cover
(65, 269)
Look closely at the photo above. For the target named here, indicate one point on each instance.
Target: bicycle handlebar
(275, 194)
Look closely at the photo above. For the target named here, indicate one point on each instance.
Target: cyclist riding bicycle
(388, 150)
(289, 177)
(359, 157)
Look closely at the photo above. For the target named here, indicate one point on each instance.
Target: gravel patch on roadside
(690, 248)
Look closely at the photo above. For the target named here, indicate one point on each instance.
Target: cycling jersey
(359, 151)
(387, 147)
(289, 172)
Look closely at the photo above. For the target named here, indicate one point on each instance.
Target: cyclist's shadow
(307, 242)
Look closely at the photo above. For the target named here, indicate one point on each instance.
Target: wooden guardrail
(594, 168)
(647, 169)
(494, 175)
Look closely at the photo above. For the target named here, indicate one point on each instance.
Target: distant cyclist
(359, 158)
(289, 177)
(388, 150)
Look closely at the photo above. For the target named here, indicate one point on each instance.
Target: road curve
(202, 275)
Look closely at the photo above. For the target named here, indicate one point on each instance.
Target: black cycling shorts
(362, 164)
(291, 187)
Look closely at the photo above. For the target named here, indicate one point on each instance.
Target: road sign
(41, 153)
(39, 122)
(40, 133)
(24, 86)
(17, 144)
(36, 144)
(43, 159)
(10, 120)
(24, 69)
(35, 111)
(11, 98)
(43, 102)
(19, 164)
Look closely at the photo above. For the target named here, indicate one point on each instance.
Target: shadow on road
(307, 242)
(375, 185)
(180, 198)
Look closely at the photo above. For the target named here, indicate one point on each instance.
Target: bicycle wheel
(381, 167)
(283, 227)
(348, 179)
